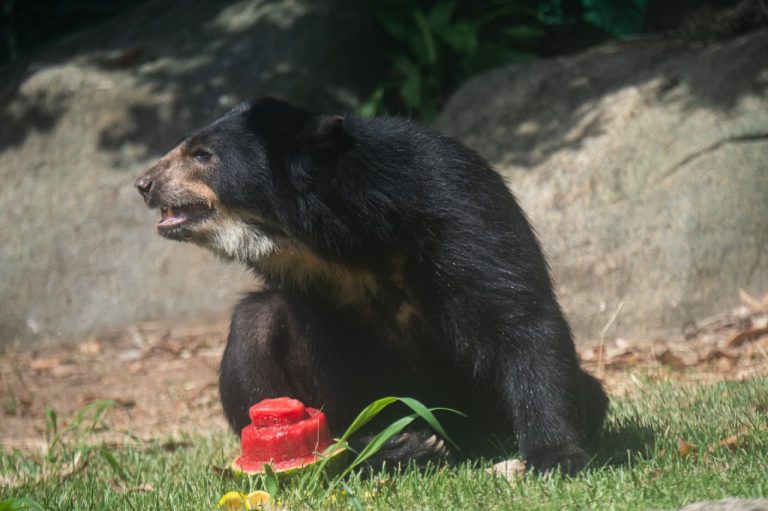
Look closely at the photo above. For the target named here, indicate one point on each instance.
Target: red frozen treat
(284, 434)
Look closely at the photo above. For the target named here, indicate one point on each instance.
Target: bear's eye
(201, 154)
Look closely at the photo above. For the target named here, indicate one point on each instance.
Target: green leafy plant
(63, 443)
(69, 448)
(435, 45)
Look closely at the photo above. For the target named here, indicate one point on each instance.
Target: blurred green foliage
(432, 46)
(437, 44)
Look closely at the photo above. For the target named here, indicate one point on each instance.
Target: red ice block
(283, 433)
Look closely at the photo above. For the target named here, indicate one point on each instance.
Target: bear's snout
(144, 185)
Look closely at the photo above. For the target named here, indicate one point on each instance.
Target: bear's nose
(144, 185)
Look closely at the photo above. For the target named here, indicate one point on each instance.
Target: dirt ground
(164, 379)
(164, 382)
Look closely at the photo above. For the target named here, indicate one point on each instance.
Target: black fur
(437, 229)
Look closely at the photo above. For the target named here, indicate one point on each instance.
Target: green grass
(637, 465)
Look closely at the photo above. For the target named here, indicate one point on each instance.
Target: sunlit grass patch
(664, 446)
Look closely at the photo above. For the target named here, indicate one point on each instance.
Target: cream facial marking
(229, 236)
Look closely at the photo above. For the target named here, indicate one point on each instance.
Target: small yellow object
(232, 501)
(236, 501)
(256, 499)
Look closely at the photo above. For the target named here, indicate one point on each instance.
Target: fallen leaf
(78, 464)
(173, 446)
(717, 354)
(749, 335)
(753, 303)
(124, 57)
(593, 354)
(667, 357)
(732, 442)
(175, 347)
(385, 482)
(125, 402)
(89, 348)
(130, 355)
(142, 488)
(686, 448)
(222, 471)
(622, 360)
(44, 364)
(64, 370)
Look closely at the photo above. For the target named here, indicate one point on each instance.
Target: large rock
(77, 125)
(644, 167)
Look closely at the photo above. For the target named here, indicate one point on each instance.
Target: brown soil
(164, 380)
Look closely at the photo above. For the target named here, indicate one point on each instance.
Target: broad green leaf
(620, 17)
(410, 87)
(462, 37)
(270, 481)
(390, 17)
(428, 42)
(410, 90)
(440, 15)
(20, 504)
(522, 32)
(372, 106)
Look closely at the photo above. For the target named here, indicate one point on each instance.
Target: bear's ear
(327, 135)
(272, 118)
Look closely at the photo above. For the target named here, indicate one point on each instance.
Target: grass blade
(379, 440)
(112, 461)
(426, 414)
(368, 413)
(352, 498)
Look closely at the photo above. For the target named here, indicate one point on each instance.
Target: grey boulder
(643, 165)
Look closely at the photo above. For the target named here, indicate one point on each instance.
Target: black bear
(395, 262)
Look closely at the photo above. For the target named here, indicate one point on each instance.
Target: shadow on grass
(621, 441)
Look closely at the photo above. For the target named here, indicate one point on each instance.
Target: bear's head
(230, 186)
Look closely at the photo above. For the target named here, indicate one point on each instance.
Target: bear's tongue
(170, 217)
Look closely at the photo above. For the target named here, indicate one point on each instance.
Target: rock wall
(643, 166)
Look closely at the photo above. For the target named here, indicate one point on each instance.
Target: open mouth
(173, 217)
